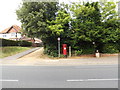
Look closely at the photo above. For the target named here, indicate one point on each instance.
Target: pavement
(35, 57)
(87, 76)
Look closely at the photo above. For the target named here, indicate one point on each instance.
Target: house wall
(10, 35)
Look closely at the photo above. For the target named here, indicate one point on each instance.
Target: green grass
(11, 50)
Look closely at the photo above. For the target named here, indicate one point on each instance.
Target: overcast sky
(8, 16)
(7, 13)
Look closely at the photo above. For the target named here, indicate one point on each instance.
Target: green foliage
(110, 22)
(110, 48)
(6, 42)
(108, 11)
(50, 50)
(57, 25)
(118, 45)
(88, 51)
(87, 25)
(78, 52)
(24, 43)
(34, 16)
(82, 48)
(78, 25)
(62, 56)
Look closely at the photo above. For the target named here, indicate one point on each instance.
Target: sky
(8, 16)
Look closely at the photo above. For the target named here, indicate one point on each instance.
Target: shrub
(51, 50)
(118, 45)
(6, 42)
(24, 43)
(62, 56)
(88, 51)
(110, 48)
(78, 52)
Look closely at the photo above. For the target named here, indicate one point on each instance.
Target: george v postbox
(64, 49)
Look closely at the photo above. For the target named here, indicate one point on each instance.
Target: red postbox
(64, 49)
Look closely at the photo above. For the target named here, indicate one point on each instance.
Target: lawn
(11, 50)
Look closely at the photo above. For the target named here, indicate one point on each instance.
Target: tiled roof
(13, 28)
(29, 39)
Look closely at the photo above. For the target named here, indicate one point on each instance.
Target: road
(100, 76)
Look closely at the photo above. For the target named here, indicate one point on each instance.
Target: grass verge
(11, 50)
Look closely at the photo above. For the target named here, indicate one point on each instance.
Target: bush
(51, 50)
(84, 48)
(6, 42)
(78, 52)
(88, 51)
(62, 56)
(24, 43)
(118, 45)
(110, 48)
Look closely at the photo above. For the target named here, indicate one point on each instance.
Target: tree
(78, 25)
(60, 26)
(87, 25)
(42, 19)
(110, 21)
(34, 16)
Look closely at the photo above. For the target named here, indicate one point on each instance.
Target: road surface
(94, 76)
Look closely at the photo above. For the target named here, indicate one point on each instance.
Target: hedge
(82, 48)
(6, 42)
(52, 51)
(110, 48)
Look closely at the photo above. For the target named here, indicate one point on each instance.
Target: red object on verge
(64, 49)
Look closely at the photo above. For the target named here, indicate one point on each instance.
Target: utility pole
(58, 46)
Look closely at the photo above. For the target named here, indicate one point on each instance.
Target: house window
(12, 34)
(4, 35)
